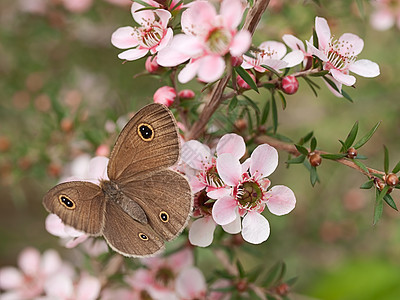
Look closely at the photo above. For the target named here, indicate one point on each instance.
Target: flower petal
(275, 64)
(232, 12)
(164, 16)
(59, 286)
(294, 58)
(55, 226)
(277, 49)
(133, 54)
(88, 288)
(224, 210)
(323, 32)
(124, 38)
(217, 193)
(338, 85)
(196, 184)
(196, 154)
(348, 80)
(365, 68)
(189, 71)
(350, 43)
(264, 161)
(181, 259)
(255, 228)
(314, 51)
(198, 17)
(11, 278)
(281, 200)
(201, 232)
(165, 40)
(233, 227)
(29, 261)
(142, 17)
(293, 42)
(229, 169)
(233, 144)
(241, 43)
(51, 262)
(98, 168)
(382, 20)
(211, 68)
(190, 284)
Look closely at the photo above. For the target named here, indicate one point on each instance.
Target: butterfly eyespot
(66, 202)
(143, 237)
(146, 132)
(164, 216)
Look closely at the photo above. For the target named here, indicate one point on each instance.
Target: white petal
(323, 32)
(382, 20)
(365, 68)
(232, 12)
(231, 143)
(211, 68)
(59, 286)
(233, 227)
(282, 200)
(229, 169)
(123, 38)
(164, 16)
(351, 43)
(294, 58)
(165, 40)
(88, 288)
(133, 54)
(293, 42)
(218, 193)
(278, 49)
(196, 154)
(255, 228)
(264, 160)
(189, 71)
(275, 64)
(29, 261)
(51, 262)
(142, 17)
(241, 43)
(314, 51)
(201, 231)
(348, 80)
(98, 168)
(11, 278)
(224, 210)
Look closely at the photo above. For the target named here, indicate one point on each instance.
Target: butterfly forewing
(78, 204)
(148, 143)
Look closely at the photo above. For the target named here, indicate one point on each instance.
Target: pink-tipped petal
(211, 68)
(190, 284)
(133, 54)
(224, 210)
(293, 42)
(365, 68)
(246, 165)
(323, 32)
(229, 169)
(314, 51)
(233, 227)
(351, 43)
(29, 261)
(165, 40)
(188, 72)
(201, 232)
(10, 278)
(337, 84)
(55, 226)
(218, 193)
(382, 20)
(124, 38)
(233, 144)
(232, 12)
(348, 80)
(264, 161)
(88, 288)
(196, 184)
(72, 243)
(241, 43)
(294, 58)
(281, 200)
(170, 57)
(198, 17)
(182, 259)
(142, 17)
(255, 228)
(164, 16)
(277, 49)
(196, 154)
(275, 64)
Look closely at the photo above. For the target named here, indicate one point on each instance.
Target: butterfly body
(144, 203)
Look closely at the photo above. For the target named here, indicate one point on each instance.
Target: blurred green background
(61, 81)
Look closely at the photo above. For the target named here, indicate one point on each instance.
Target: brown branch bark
(252, 19)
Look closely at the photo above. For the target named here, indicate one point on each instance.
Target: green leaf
(346, 95)
(367, 185)
(315, 39)
(313, 144)
(297, 160)
(253, 294)
(176, 5)
(396, 168)
(360, 5)
(389, 200)
(265, 112)
(239, 266)
(313, 175)
(333, 156)
(143, 3)
(292, 281)
(274, 113)
(233, 103)
(319, 74)
(301, 149)
(271, 70)
(249, 119)
(379, 204)
(386, 159)
(361, 166)
(272, 274)
(252, 104)
(282, 99)
(311, 84)
(246, 77)
(269, 86)
(366, 137)
(351, 137)
(332, 84)
(306, 138)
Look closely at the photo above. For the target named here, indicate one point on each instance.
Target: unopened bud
(241, 124)
(242, 286)
(236, 61)
(282, 289)
(243, 84)
(392, 179)
(67, 125)
(151, 64)
(315, 159)
(186, 94)
(289, 85)
(352, 152)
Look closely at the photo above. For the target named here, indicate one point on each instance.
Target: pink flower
(152, 35)
(77, 6)
(248, 193)
(165, 95)
(172, 4)
(340, 56)
(207, 38)
(272, 54)
(35, 269)
(190, 284)
(385, 15)
(296, 44)
(151, 64)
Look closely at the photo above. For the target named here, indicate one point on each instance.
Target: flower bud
(315, 159)
(379, 184)
(165, 95)
(282, 289)
(392, 179)
(352, 152)
(151, 64)
(186, 94)
(67, 125)
(103, 150)
(289, 85)
(243, 84)
(236, 61)
(5, 144)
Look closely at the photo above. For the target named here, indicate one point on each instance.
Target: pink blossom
(340, 56)
(207, 38)
(77, 6)
(386, 14)
(172, 4)
(272, 54)
(190, 284)
(152, 35)
(296, 44)
(28, 281)
(248, 185)
(165, 95)
(151, 64)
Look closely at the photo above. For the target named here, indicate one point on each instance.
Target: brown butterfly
(144, 203)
